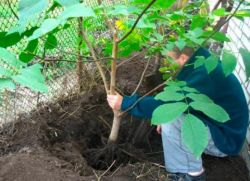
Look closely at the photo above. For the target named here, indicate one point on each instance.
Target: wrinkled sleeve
(143, 109)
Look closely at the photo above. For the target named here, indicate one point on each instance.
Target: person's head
(181, 57)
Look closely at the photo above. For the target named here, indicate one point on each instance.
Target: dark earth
(65, 141)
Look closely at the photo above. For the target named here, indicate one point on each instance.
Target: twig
(129, 59)
(66, 52)
(64, 60)
(217, 5)
(105, 122)
(109, 24)
(71, 61)
(99, 177)
(79, 63)
(136, 157)
(148, 93)
(93, 53)
(156, 164)
(142, 76)
(223, 19)
(115, 170)
(228, 19)
(136, 22)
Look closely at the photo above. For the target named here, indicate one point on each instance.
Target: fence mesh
(60, 75)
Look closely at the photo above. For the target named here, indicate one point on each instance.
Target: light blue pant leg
(178, 158)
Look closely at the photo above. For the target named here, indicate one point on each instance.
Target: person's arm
(143, 109)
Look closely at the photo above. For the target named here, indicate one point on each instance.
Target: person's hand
(158, 129)
(115, 101)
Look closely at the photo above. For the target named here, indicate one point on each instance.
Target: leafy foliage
(212, 110)
(181, 99)
(229, 62)
(29, 52)
(168, 112)
(246, 59)
(13, 71)
(29, 10)
(195, 134)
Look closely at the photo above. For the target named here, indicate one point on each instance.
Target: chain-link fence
(60, 71)
(238, 33)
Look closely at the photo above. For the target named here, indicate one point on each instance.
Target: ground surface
(65, 141)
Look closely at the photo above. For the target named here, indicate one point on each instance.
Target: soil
(65, 141)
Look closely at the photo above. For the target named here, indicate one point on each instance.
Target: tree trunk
(79, 66)
(115, 128)
(117, 119)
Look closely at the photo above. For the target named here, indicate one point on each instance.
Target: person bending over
(225, 139)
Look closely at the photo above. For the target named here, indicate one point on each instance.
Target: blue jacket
(224, 91)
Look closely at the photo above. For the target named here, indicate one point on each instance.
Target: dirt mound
(61, 141)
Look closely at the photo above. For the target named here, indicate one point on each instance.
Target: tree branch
(228, 19)
(79, 64)
(114, 64)
(217, 5)
(137, 21)
(107, 20)
(129, 59)
(99, 66)
(142, 76)
(223, 19)
(148, 93)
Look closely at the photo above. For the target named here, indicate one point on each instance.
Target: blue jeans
(178, 158)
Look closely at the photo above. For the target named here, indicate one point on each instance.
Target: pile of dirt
(66, 140)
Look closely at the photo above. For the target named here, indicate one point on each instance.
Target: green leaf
(9, 58)
(180, 44)
(195, 36)
(172, 87)
(66, 3)
(30, 9)
(246, 59)
(194, 134)
(229, 63)
(218, 36)
(199, 97)
(160, 4)
(143, 23)
(212, 110)
(211, 63)
(198, 21)
(243, 13)
(47, 26)
(51, 42)
(220, 12)
(177, 83)
(9, 40)
(189, 89)
(29, 53)
(31, 77)
(170, 96)
(124, 10)
(197, 32)
(6, 84)
(200, 60)
(168, 112)
(77, 10)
